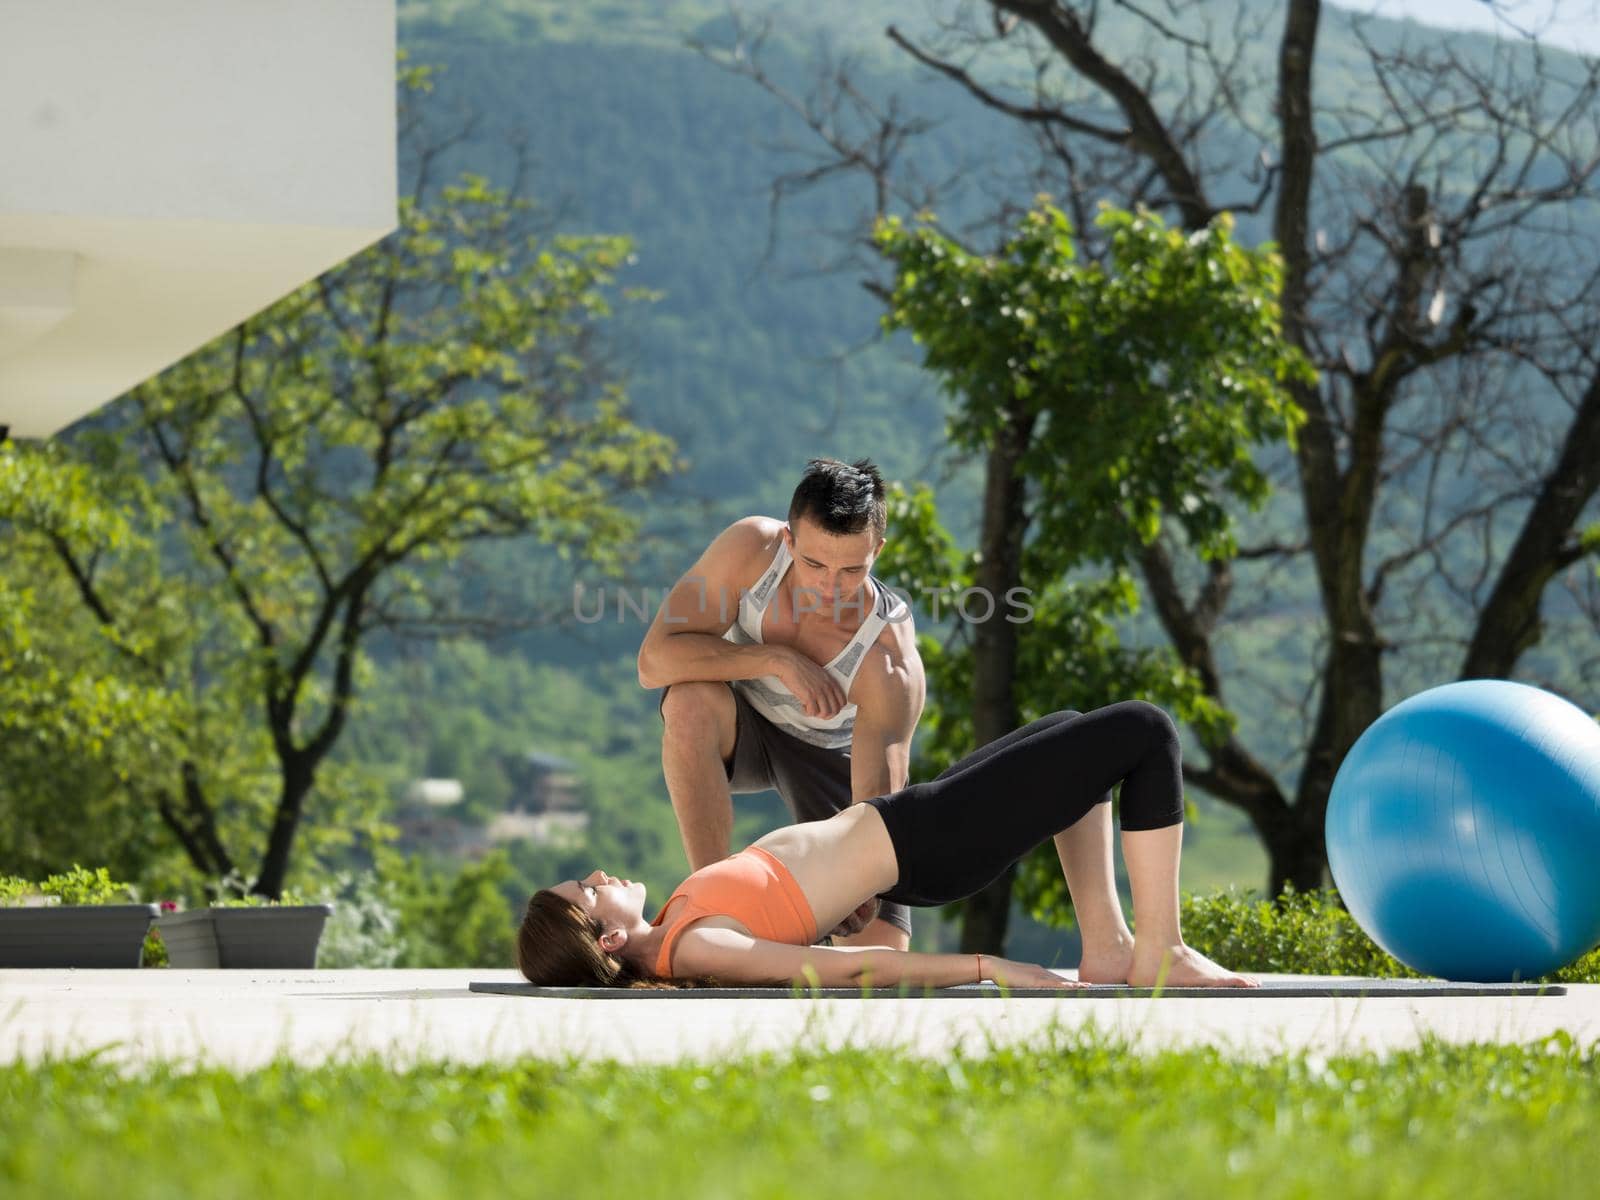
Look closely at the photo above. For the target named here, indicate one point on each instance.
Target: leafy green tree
(1106, 399)
(82, 722)
(313, 479)
(451, 916)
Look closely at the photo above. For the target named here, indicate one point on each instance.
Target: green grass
(1072, 1113)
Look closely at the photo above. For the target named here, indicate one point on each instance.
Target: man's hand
(864, 915)
(819, 693)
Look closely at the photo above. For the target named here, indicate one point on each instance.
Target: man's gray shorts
(813, 781)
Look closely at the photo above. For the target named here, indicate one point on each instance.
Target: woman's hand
(1023, 975)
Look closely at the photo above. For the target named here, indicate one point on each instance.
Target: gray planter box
(283, 935)
(75, 935)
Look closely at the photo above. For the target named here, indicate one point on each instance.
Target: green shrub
(1584, 970)
(233, 891)
(82, 886)
(154, 953)
(254, 901)
(364, 930)
(1307, 933)
(1300, 933)
(452, 917)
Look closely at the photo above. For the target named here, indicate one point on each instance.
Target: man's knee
(699, 713)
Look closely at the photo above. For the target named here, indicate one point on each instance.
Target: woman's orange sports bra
(753, 888)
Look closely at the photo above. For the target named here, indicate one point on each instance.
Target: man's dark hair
(843, 498)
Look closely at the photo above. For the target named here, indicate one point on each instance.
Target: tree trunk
(297, 780)
(986, 915)
(195, 826)
(1352, 699)
(1296, 855)
(1338, 506)
(298, 764)
(994, 660)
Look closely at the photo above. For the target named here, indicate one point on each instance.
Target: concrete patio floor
(242, 1019)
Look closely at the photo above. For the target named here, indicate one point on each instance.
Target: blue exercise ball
(1463, 831)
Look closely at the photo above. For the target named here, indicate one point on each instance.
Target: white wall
(168, 168)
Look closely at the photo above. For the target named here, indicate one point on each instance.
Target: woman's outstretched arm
(734, 957)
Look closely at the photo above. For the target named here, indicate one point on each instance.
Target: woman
(752, 918)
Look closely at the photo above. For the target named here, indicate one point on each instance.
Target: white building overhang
(168, 169)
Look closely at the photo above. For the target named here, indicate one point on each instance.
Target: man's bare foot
(1181, 966)
(1109, 963)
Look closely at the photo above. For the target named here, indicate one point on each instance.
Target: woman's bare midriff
(839, 862)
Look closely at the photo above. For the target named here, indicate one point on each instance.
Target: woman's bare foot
(1181, 966)
(1108, 963)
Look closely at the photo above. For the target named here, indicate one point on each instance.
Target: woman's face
(615, 903)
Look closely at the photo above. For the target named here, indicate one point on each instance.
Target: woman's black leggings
(959, 832)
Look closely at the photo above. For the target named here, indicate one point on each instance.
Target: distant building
(423, 828)
(545, 828)
(545, 783)
(545, 807)
(435, 793)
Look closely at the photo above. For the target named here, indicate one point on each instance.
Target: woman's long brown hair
(558, 946)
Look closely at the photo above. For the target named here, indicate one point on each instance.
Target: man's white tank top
(767, 693)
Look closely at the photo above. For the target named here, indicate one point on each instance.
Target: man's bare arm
(888, 695)
(704, 656)
(685, 640)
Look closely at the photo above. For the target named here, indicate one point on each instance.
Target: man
(788, 666)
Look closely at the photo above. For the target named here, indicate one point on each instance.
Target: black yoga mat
(1271, 989)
